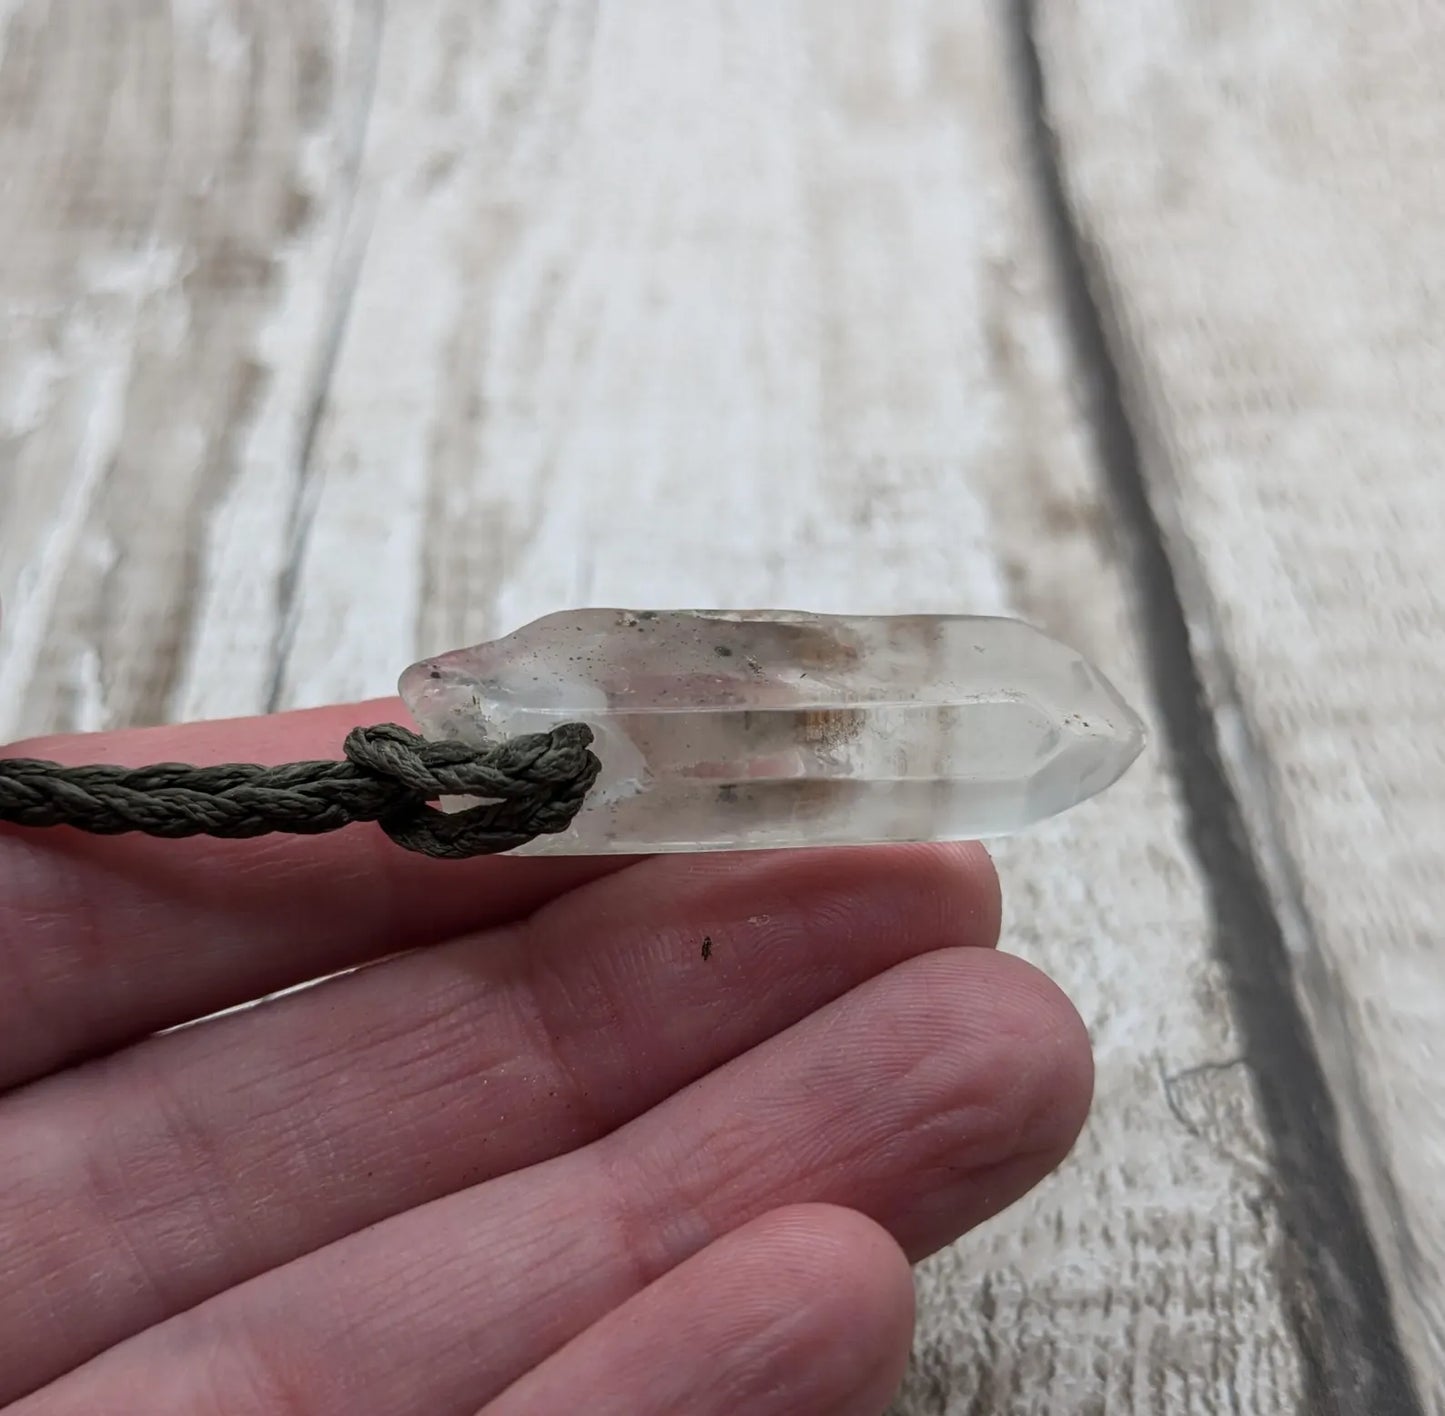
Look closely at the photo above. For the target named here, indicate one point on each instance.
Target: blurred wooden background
(336, 331)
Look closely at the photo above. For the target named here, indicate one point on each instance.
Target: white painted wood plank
(660, 304)
(1263, 187)
(172, 176)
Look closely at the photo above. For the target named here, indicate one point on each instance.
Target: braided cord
(531, 786)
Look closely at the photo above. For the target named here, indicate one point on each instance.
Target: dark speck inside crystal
(722, 651)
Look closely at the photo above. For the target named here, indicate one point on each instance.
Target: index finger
(103, 939)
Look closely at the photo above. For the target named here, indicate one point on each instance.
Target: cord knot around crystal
(712, 730)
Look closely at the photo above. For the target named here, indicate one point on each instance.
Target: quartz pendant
(738, 730)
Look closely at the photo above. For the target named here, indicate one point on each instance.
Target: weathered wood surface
(1269, 262)
(335, 333)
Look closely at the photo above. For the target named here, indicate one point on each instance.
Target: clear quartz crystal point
(737, 730)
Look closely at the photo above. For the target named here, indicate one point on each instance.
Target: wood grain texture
(336, 333)
(161, 161)
(1271, 258)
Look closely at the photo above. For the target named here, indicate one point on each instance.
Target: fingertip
(819, 1302)
(1052, 1058)
(976, 887)
(813, 1243)
(952, 885)
(854, 1283)
(991, 1075)
(1066, 1061)
(807, 1308)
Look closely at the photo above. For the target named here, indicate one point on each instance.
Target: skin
(538, 1146)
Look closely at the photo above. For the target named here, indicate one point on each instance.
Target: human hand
(540, 1156)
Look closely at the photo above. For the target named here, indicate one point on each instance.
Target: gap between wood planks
(1329, 1270)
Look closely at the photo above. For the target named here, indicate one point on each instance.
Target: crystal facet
(737, 730)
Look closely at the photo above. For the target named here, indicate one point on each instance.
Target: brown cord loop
(538, 782)
(531, 786)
